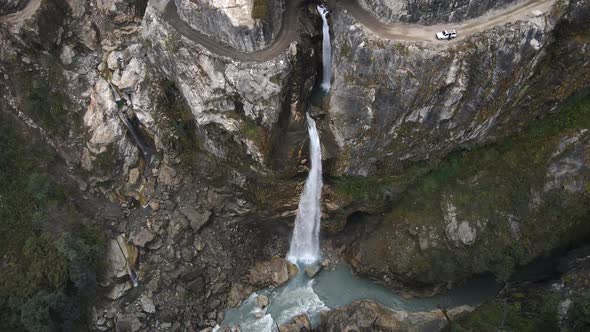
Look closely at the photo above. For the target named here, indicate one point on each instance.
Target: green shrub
(177, 117)
(49, 252)
(39, 186)
(581, 312)
(260, 9)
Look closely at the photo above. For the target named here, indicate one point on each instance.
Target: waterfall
(305, 243)
(326, 49)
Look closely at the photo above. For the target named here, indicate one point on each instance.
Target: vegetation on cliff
(503, 197)
(49, 253)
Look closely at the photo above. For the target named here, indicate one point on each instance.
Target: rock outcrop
(245, 25)
(204, 155)
(266, 274)
(371, 316)
(12, 6)
(431, 11)
(395, 102)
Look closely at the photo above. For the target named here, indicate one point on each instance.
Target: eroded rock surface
(371, 316)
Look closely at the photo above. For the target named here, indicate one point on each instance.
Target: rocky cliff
(246, 25)
(431, 11)
(428, 106)
(441, 160)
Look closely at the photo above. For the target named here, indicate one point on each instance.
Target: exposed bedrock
(395, 102)
(11, 6)
(431, 11)
(426, 183)
(246, 25)
(396, 109)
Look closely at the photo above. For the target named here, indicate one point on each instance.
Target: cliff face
(394, 102)
(431, 11)
(11, 6)
(246, 25)
(204, 155)
(395, 108)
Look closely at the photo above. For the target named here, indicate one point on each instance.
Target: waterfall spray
(305, 243)
(326, 49)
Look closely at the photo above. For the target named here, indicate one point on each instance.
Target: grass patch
(260, 9)
(45, 101)
(253, 132)
(538, 313)
(488, 186)
(181, 130)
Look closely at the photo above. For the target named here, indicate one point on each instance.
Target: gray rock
(262, 301)
(197, 219)
(233, 24)
(131, 76)
(67, 54)
(120, 256)
(273, 273)
(167, 175)
(167, 315)
(113, 60)
(372, 316)
(214, 303)
(147, 304)
(177, 228)
(300, 323)
(431, 11)
(142, 237)
(134, 175)
(313, 270)
(128, 324)
(119, 290)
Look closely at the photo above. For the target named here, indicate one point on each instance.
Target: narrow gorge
(294, 165)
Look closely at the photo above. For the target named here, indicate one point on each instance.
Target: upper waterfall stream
(326, 49)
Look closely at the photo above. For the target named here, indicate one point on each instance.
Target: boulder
(313, 270)
(134, 175)
(262, 301)
(237, 293)
(166, 175)
(300, 323)
(196, 218)
(128, 324)
(67, 55)
(147, 304)
(131, 76)
(177, 227)
(118, 290)
(368, 315)
(121, 258)
(273, 273)
(142, 237)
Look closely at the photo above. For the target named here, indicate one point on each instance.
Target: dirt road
(290, 23)
(417, 32)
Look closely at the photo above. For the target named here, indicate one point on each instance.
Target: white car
(446, 34)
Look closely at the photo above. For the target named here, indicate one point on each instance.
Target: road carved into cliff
(23, 14)
(288, 31)
(419, 32)
(393, 31)
(287, 34)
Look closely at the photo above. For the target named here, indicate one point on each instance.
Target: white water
(305, 243)
(286, 302)
(326, 49)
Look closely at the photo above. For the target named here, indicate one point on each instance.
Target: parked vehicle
(446, 35)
